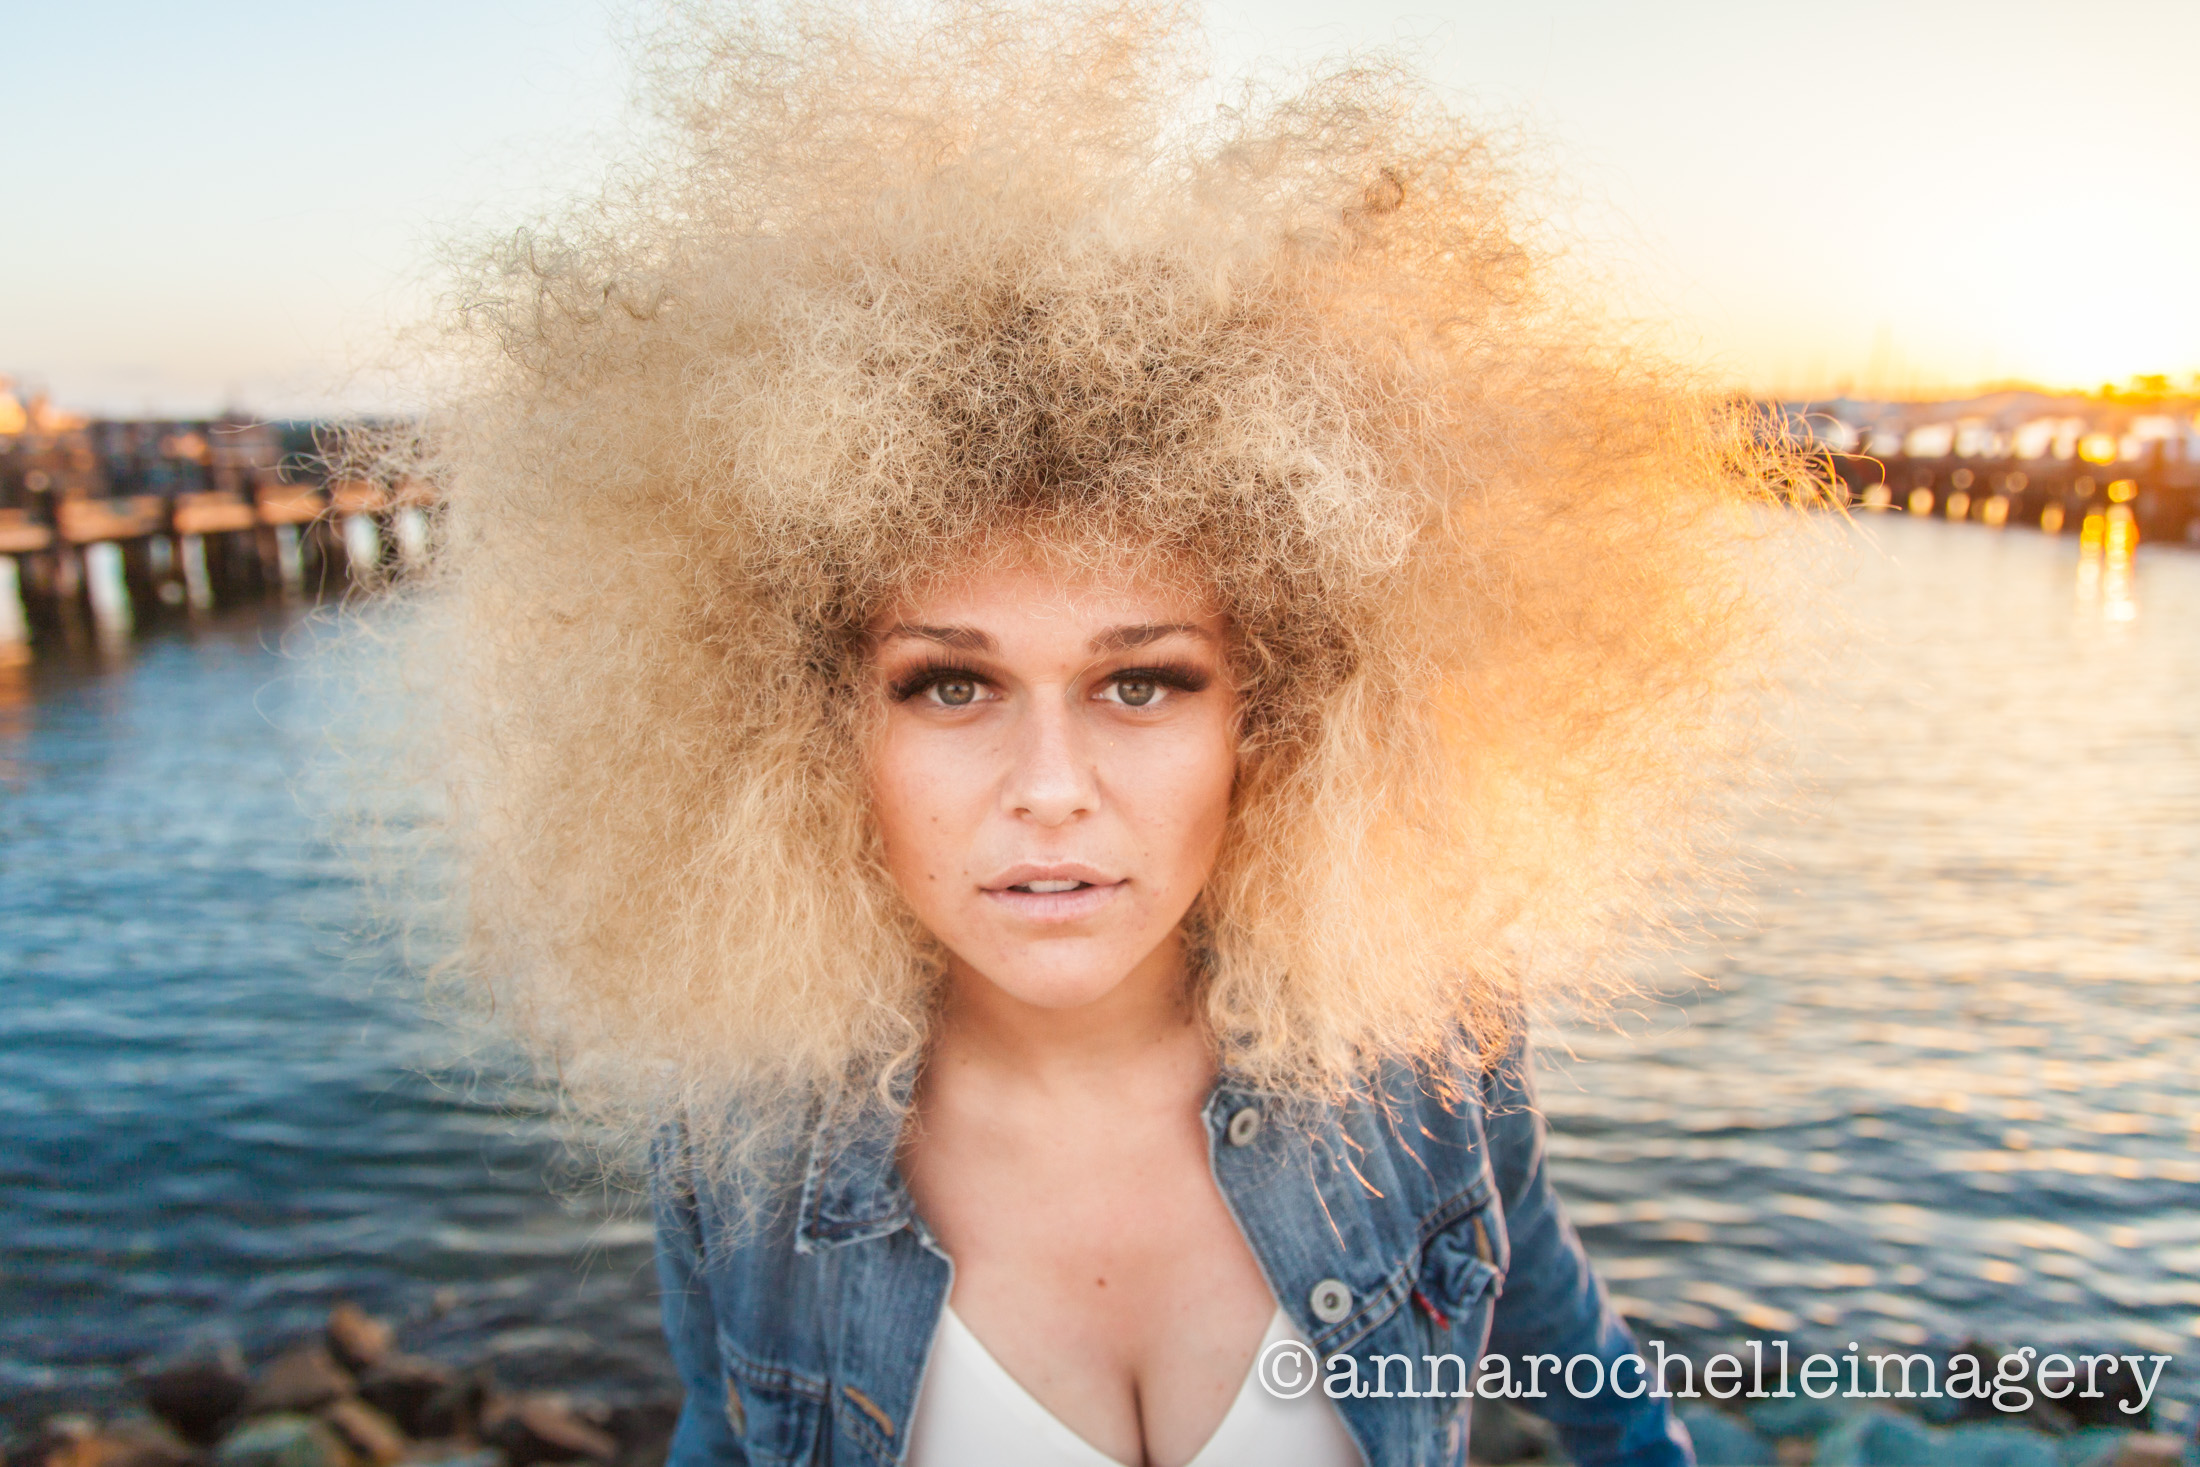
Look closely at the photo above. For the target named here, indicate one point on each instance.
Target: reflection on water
(1945, 1081)
(15, 707)
(1942, 1084)
(2108, 545)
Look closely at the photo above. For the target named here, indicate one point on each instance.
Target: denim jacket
(1393, 1229)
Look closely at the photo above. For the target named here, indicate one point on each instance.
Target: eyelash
(929, 675)
(1176, 677)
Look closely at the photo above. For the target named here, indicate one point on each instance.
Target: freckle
(1100, 1283)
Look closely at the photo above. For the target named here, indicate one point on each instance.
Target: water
(212, 1116)
(1942, 1085)
(1948, 1080)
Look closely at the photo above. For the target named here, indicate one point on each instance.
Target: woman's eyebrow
(968, 639)
(1122, 639)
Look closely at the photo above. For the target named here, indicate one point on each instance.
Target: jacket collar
(852, 1187)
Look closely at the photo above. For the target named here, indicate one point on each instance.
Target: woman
(1037, 684)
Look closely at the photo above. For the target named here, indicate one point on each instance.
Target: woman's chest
(1101, 1266)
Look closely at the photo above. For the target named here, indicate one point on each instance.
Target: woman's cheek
(1179, 793)
(904, 799)
(933, 790)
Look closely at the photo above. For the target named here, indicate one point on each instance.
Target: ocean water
(1940, 1083)
(1946, 1079)
(220, 1110)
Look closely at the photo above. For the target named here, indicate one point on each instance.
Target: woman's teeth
(1048, 888)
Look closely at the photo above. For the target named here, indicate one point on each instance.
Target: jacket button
(1244, 1126)
(1331, 1301)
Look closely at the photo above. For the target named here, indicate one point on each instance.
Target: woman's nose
(1051, 781)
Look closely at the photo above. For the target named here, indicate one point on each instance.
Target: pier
(2156, 497)
(2017, 459)
(106, 526)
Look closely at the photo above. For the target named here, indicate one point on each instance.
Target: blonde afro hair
(883, 282)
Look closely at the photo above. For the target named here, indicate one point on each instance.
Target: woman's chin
(1043, 980)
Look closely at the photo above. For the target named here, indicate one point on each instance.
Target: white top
(972, 1413)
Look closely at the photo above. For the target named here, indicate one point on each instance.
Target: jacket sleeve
(1554, 1304)
(703, 1437)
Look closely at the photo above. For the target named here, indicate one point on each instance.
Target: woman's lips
(1082, 899)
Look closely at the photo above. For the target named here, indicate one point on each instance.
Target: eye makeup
(1181, 677)
(930, 674)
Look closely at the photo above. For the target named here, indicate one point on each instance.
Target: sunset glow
(1889, 201)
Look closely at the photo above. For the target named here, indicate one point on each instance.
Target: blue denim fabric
(803, 1338)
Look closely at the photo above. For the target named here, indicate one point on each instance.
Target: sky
(236, 204)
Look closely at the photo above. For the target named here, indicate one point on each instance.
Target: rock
(403, 1387)
(285, 1439)
(372, 1436)
(147, 1442)
(1782, 1417)
(1973, 1408)
(1722, 1440)
(356, 1338)
(199, 1397)
(77, 1442)
(1878, 1439)
(2149, 1449)
(1994, 1446)
(454, 1454)
(2090, 1446)
(1499, 1434)
(533, 1429)
(302, 1379)
(60, 1443)
(2118, 1388)
(454, 1412)
(2055, 1416)
(643, 1431)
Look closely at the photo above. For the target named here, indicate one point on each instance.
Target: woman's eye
(955, 692)
(1136, 692)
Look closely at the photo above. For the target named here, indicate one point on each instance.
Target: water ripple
(1941, 1083)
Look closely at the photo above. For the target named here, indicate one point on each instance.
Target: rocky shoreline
(2116, 1428)
(348, 1397)
(1849, 1434)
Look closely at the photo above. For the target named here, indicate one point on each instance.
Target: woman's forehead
(1130, 601)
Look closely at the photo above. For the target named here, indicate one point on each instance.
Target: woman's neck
(1145, 1021)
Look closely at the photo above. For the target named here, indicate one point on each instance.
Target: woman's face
(1052, 771)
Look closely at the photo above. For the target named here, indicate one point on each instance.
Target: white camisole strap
(972, 1413)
